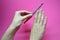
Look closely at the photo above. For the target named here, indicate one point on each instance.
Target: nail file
(35, 11)
(38, 8)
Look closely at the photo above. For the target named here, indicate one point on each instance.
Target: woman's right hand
(19, 17)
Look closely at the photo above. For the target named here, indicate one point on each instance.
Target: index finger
(23, 12)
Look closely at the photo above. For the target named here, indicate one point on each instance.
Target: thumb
(27, 16)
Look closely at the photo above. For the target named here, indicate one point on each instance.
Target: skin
(37, 29)
(38, 26)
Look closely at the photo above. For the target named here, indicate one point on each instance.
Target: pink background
(51, 9)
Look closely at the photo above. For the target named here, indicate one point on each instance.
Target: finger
(27, 19)
(27, 16)
(42, 17)
(39, 17)
(23, 12)
(36, 17)
(45, 22)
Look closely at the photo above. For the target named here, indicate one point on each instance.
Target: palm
(38, 26)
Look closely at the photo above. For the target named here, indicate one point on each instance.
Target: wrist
(12, 26)
(14, 23)
(34, 38)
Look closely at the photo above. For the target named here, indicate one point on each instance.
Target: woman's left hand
(38, 26)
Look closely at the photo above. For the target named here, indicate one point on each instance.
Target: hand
(38, 26)
(20, 16)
